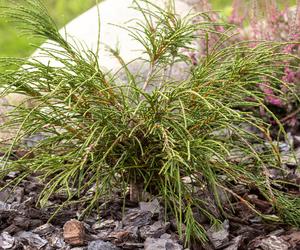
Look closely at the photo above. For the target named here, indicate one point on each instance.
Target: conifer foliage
(102, 133)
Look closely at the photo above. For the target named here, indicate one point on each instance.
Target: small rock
(271, 243)
(34, 223)
(101, 245)
(21, 222)
(219, 236)
(240, 189)
(12, 174)
(129, 233)
(166, 236)
(5, 207)
(103, 234)
(31, 239)
(18, 194)
(12, 229)
(284, 147)
(235, 243)
(104, 224)
(133, 232)
(293, 239)
(34, 139)
(161, 244)
(6, 241)
(87, 227)
(155, 230)
(277, 232)
(4, 195)
(137, 218)
(44, 229)
(152, 206)
(56, 241)
(119, 236)
(189, 179)
(74, 233)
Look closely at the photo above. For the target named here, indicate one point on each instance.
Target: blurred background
(62, 11)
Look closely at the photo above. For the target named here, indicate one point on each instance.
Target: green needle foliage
(104, 133)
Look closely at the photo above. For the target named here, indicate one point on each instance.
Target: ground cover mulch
(118, 225)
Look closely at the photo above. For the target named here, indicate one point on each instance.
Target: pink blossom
(270, 96)
(289, 75)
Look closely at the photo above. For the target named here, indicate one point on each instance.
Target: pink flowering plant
(264, 21)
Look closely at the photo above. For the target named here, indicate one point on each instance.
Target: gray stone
(137, 218)
(129, 233)
(219, 235)
(18, 194)
(103, 234)
(274, 243)
(44, 229)
(104, 224)
(283, 147)
(33, 240)
(151, 206)
(56, 241)
(166, 236)
(5, 194)
(33, 140)
(6, 241)
(4, 207)
(155, 230)
(101, 245)
(161, 244)
(12, 174)
(235, 243)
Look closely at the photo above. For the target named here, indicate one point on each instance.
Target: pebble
(104, 224)
(44, 229)
(6, 241)
(273, 243)
(101, 245)
(155, 230)
(152, 206)
(219, 236)
(31, 239)
(137, 217)
(235, 243)
(161, 244)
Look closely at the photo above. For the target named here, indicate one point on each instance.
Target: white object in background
(113, 13)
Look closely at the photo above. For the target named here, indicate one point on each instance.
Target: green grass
(12, 44)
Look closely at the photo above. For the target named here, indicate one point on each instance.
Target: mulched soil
(143, 225)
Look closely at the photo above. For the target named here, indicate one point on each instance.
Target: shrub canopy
(101, 133)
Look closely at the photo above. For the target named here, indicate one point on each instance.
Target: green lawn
(12, 44)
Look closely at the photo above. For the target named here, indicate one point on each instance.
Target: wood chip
(74, 233)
